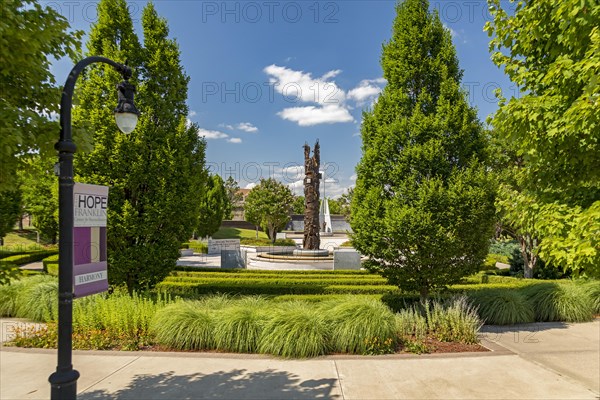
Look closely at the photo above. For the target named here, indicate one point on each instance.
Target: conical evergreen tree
(155, 173)
(423, 207)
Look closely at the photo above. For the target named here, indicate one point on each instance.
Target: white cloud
(353, 177)
(331, 74)
(367, 89)
(192, 114)
(234, 140)
(297, 187)
(242, 126)
(311, 115)
(301, 86)
(208, 134)
(247, 127)
(329, 101)
(250, 185)
(292, 173)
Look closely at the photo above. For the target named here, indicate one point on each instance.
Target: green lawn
(24, 239)
(236, 233)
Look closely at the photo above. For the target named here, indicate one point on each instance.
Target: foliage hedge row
(274, 280)
(51, 265)
(29, 257)
(501, 300)
(190, 289)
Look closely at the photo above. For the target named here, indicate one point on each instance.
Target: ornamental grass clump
(39, 302)
(453, 321)
(411, 323)
(238, 328)
(185, 325)
(358, 322)
(8, 299)
(123, 320)
(295, 330)
(502, 306)
(593, 290)
(560, 302)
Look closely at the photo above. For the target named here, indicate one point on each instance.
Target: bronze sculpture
(312, 179)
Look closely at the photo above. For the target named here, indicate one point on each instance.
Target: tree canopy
(32, 35)
(213, 206)
(234, 197)
(269, 205)
(422, 209)
(551, 50)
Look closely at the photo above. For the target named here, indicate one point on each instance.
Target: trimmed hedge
(51, 264)
(30, 257)
(190, 289)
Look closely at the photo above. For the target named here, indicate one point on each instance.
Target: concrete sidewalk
(536, 361)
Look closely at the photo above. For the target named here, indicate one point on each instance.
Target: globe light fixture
(126, 115)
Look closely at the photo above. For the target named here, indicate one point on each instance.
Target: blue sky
(268, 76)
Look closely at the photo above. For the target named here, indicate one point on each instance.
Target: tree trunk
(21, 223)
(273, 234)
(1, 241)
(424, 293)
(529, 258)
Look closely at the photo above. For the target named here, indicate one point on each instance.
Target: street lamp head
(126, 115)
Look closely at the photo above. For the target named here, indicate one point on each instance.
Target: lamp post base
(63, 385)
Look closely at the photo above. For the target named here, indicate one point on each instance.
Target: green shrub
(358, 324)
(8, 272)
(295, 330)
(51, 264)
(503, 247)
(184, 325)
(502, 306)
(238, 328)
(560, 302)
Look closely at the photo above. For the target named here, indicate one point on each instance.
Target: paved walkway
(537, 361)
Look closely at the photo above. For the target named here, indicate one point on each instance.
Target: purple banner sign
(90, 278)
(90, 265)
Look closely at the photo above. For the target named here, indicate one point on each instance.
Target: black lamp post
(64, 381)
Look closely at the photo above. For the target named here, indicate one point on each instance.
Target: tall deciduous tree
(32, 35)
(234, 197)
(213, 206)
(157, 172)
(422, 209)
(551, 50)
(269, 205)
